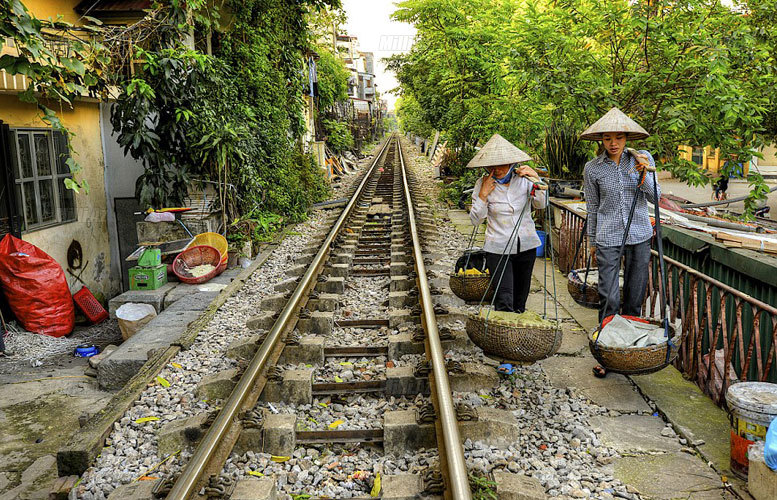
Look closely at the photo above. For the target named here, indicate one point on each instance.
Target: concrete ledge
(691, 412)
(182, 290)
(295, 388)
(518, 487)
(114, 371)
(761, 480)
(154, 297)
(193, 302)
(179, 434)
(217, 385)
(139, 490)
(255, 488)
(309, 351)
(402, 487)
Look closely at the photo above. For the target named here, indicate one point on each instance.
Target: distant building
(710, 159)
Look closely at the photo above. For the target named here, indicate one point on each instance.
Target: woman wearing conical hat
(612, 180)
(500, 197)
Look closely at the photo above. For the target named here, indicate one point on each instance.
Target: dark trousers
(516, 281)
(636, 259)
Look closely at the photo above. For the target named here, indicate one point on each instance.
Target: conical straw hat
(497, 151)
(614, 120)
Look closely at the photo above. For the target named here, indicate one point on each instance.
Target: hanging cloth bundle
(511, 336)
(640, 360)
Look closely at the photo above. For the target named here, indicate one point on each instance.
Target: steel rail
(454, 451)
(190, 478)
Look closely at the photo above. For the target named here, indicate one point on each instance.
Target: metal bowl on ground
(635, 360)
(510, 342)
(191, 258)
(471, 288)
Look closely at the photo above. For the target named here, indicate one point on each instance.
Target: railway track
(355, 379)
(319, 354)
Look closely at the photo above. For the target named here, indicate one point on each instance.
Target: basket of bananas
(471, 285)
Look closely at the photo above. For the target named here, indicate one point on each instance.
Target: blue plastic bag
(770, 446)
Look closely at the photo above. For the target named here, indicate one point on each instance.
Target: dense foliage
(691, 72)
(332, 79)
(234, 118)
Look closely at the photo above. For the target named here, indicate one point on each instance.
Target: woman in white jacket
(500, 197)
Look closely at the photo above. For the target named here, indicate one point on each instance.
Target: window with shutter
(40, 157)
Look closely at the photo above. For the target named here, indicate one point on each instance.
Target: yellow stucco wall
(770, 156)
(44, 9)
(90, 229)
(712, 160)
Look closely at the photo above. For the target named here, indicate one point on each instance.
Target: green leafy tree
(693, 72)
(160, 119)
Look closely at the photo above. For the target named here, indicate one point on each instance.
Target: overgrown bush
(339, 137)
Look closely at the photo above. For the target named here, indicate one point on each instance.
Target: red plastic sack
(36, 288)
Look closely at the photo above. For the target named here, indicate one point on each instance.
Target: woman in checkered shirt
(612, 181)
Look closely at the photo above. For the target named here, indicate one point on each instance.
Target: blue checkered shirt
(609, 193)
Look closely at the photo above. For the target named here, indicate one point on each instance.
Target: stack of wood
(759, 243)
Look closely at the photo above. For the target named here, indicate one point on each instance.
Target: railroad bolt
(465, 413)
(433, 482)
(426, 414)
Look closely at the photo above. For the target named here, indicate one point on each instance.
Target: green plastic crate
(147, 278)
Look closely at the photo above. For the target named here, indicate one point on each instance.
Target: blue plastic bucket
(541, 248)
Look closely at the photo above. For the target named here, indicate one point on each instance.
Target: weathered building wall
(770, 156)
(90, 229)
(43, 9)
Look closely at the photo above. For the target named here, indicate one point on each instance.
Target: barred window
(40, 169)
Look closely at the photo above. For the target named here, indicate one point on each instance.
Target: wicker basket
(590, 298)
(471, 288)
(634, 360)
(587, 298)
(512, 343)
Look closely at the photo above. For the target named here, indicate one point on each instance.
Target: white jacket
(503, 210)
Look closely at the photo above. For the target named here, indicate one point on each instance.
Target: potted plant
(564, 155)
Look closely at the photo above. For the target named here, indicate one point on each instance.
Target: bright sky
(370, 22)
